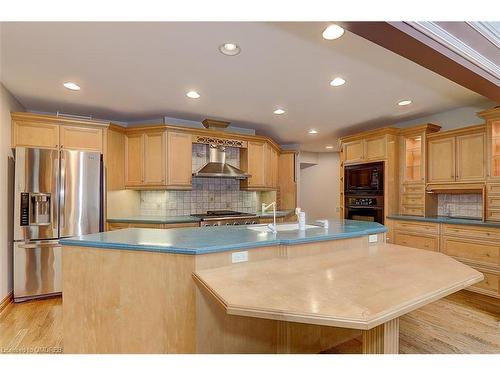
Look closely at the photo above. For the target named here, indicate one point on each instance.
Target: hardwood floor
(464, 322)
(32, 327)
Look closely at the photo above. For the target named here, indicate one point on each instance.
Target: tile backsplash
(207, 193)
(464, 205)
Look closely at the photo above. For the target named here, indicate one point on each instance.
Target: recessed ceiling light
(312, 131)
(329, 147)
(229, 49)
(71, 86)
(279, 111)
(192, 95)
(338, 81)
(333, 32)
(404, 102)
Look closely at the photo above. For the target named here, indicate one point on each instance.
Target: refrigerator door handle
(62, 194)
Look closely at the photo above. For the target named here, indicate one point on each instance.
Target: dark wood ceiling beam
(392, 36)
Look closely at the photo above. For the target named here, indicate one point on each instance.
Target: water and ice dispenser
(35, 209)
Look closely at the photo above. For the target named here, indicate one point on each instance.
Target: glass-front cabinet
(492, 118)
(495, 148)
(413, 167)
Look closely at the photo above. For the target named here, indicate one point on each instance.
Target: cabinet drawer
(494, 201)
(180, 225)
(146, 225)
(473, 251)
(417, 241)
(413, 188)
(415, 226)
(413, 199)
(116, 226)
(493, 189)
(493, 215)
(412, 211)
(490, 285)
(481, 233)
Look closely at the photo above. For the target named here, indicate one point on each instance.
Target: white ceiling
(135, 71)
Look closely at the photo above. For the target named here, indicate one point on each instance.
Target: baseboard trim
(7, 301)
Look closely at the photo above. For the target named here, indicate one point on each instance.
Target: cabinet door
(375, 148)
(134, 159)
(80, 138)
(179, 155)
(471, 157)
(353, 151)
(286, 181)
(271, 160)
(255, 164)
(154, 158)
(494, 148)
(413, 171)
(441, 160)
(35, 134)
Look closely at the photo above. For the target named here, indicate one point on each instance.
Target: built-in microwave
(364, 178)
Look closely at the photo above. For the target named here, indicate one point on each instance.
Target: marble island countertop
(217, 239)
(182, 219)
(445, 220)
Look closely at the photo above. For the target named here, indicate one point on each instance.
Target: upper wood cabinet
(371, 147)
(471, 157)
(134, 159)
(441, 157)
(80, 138)
(34, 134)
(271, 167)
(46, 131)
(158, 159)
(252, 161)
(179, 160)
(287, 184)
(353, 151)
(154, 158)
(458, 156)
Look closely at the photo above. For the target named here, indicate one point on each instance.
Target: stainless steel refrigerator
(57, 194)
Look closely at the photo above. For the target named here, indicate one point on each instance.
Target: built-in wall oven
(364, 192)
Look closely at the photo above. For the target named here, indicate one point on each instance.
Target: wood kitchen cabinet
(271, 167)
(81, 138)
(179, 160)
(366, 149)
(287, 184)
(158, 159)
(492, 118)
(134, 159)
(457, 156)
(252, 161)
(35, 134)
(47, 131)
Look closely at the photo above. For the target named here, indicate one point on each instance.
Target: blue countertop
(182, 219)
(445, 220)
(217, 239)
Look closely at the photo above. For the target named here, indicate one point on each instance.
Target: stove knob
(228, 223)
(247, 223)
(236, 223)
(254, 222)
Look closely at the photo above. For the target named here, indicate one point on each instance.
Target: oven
(364, 179)
(365, 208)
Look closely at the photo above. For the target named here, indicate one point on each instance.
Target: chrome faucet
(273, 225)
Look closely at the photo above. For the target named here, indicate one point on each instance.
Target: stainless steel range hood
(217, 166)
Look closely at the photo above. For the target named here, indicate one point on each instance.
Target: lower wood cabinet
(419, 241)
(490, 285)
(475, 245)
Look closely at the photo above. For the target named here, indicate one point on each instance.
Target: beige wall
(319, 184)
(7, 104)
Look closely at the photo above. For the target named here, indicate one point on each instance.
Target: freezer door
(80, 193)
(37, 269)
(36, 206)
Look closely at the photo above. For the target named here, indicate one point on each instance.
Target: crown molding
(487, 31)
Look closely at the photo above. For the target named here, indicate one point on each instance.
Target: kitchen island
(246, 289)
